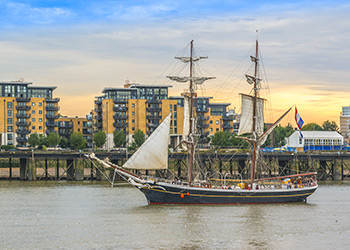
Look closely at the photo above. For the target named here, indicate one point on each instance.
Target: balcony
(152, 125)
(49, 116)
(120, 117)
(98, 117)
(22, 139)
(54, 100)
(51, 124)
(200, 110)
(64, 132)
(98, 125)
(154, 101)
(24, 107)
(98, 102)
(120, 101)
(51, 131)
(154, 109)
(199, 125)
(26, 116)
(98, 110)
(120, 124)
(23, 124)
(48, 108)
(153, 117)
(203, 118)
(120, 109)
(23, 131)
(228, 118)
(65, 125)
(22, 99)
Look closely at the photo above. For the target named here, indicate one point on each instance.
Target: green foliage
(77, 141)
(311, 127)
(7, 147)
(53, 140)
(64, 143)
(221, 139)
(34, 140)
(139, 137)
(279, 134)
(330, 126)
(224, 139)
(100, 138)
(119, 138)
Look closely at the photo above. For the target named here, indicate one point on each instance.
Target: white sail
(246, 122)
(153, 153)
(186, 124)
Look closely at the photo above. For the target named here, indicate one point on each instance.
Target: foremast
(189, 96)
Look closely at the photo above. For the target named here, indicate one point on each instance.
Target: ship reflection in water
(41, 215)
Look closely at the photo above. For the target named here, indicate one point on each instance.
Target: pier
(74, 166)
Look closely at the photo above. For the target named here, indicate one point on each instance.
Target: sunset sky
(84, 46)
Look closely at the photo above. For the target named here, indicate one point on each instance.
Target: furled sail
(196, 80)
(185, 59)
(153, 153)
(246, 122)
(264, 136)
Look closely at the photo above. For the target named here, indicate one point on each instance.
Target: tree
(100, 138)
(77, 141)
(119, 138)
(312, 127)
(139, 137)
(33, 140)
(221, 139)
(64, 143)
(53, 140)
(330, 126)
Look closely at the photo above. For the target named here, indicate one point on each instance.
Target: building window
(133, 129)
(217, 122)
(33, 112)
(133, 113)
(40, 120)
(175, 107)
(33, 119)
(300, 140)
(175, 123)
(175, 130)
(211, 122)
(9, 105)
(171, 107)
(78, 129)
(133, 121)
(40, 104)
(9, 129)
(9, 112)
(33, 104)
(9, 121)
(33, 127)
(9, 137)
(211, 129)
(40, 128)
(78, 122)
(133, 105)
(217, 129)
(40, 111)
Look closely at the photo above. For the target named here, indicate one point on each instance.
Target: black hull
(176, 194)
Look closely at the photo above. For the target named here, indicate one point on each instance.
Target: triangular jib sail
(153, 153)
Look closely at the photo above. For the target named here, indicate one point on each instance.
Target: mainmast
(189, 96)
(255, 100)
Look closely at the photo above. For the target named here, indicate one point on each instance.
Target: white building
(315, 140)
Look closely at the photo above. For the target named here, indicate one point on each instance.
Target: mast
(255, 135)
(189, 95)
(191, 117)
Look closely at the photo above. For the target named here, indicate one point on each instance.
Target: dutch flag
(299, 121)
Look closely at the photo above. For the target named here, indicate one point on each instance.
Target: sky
(84, 46)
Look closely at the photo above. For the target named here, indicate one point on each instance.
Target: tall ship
(153, 155)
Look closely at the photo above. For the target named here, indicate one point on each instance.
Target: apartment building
(345, 123)
(145, 106)
(26, 109)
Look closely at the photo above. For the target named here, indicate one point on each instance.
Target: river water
(92, 215)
